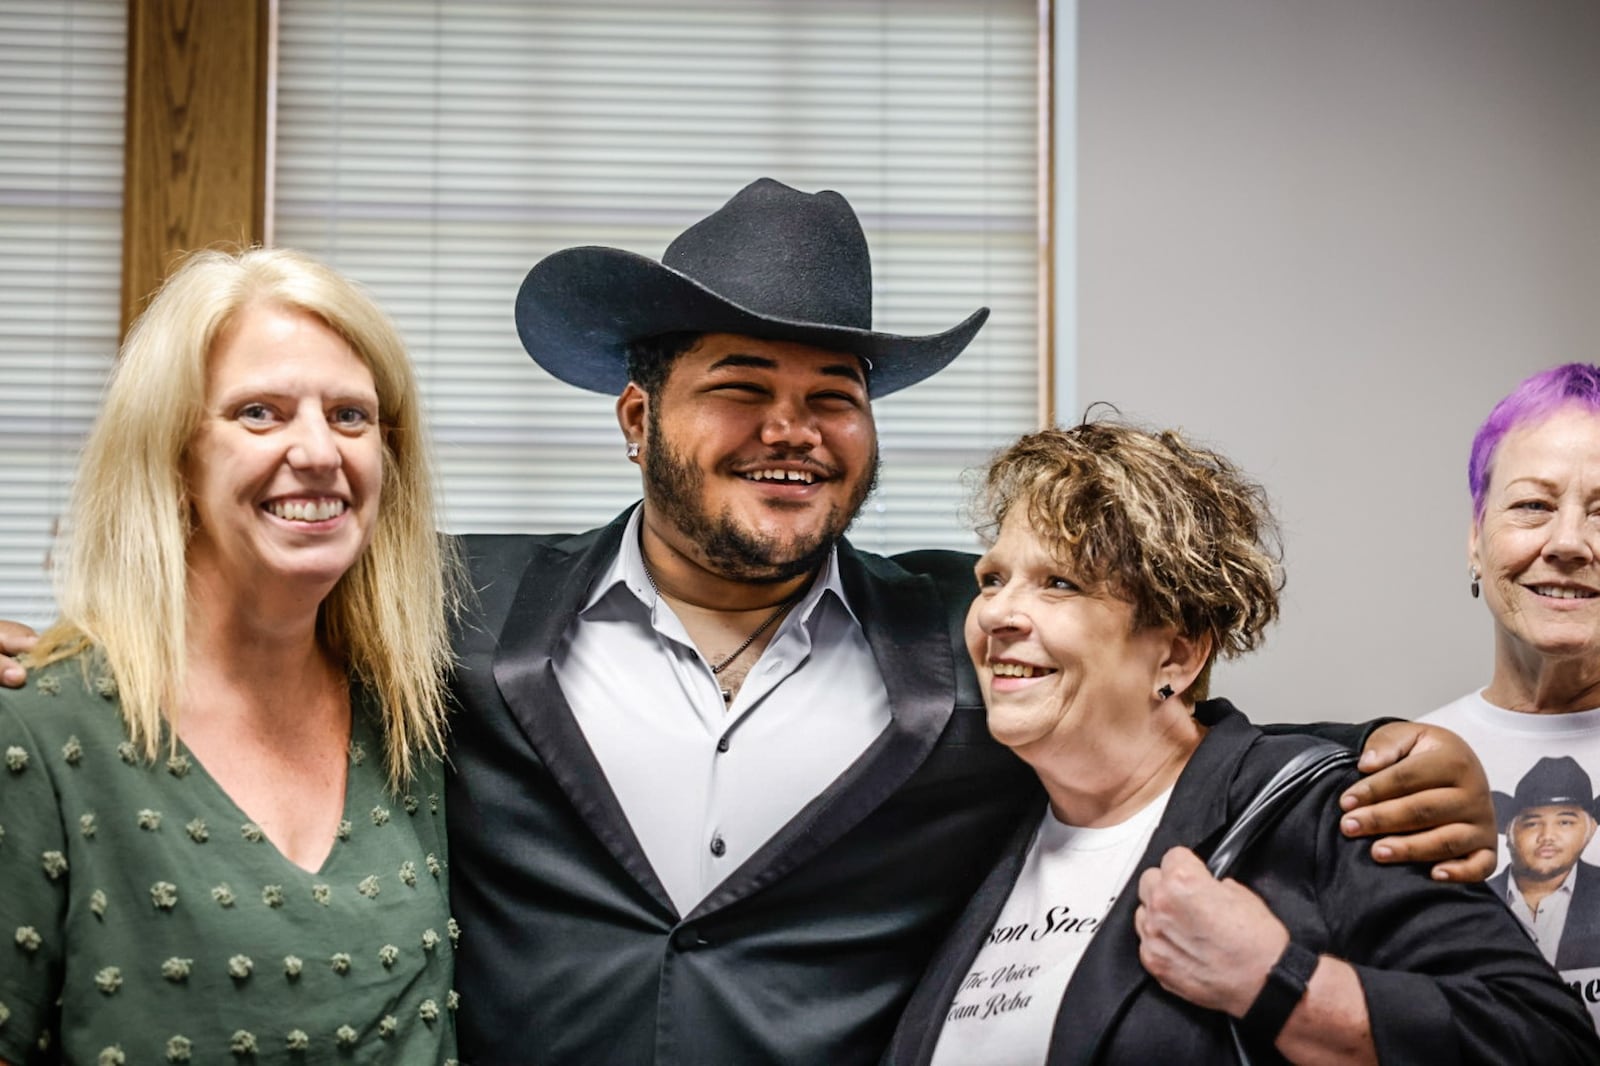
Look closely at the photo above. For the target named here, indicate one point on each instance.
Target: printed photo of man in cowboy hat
(1547, 824)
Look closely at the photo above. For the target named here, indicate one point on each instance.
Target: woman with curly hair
(1122, 564)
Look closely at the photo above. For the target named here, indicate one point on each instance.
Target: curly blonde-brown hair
(1176, 530)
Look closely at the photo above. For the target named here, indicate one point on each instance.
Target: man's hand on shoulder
(15, 638)
(1426, 798)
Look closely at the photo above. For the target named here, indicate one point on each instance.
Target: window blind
(435, 150)
(61, 118)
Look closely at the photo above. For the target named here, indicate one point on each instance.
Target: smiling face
(756, 454)
(1538, 543)
(1058, 663)
(285, 470)
(1545, 842)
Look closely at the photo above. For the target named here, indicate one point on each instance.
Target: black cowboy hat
(1550, 782)
(773, 262)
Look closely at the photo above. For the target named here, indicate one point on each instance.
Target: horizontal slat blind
(436, 150)
(61, 117)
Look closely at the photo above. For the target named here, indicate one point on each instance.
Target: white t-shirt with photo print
(1508, 743)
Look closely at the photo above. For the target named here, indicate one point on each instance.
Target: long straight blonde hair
(122, 583)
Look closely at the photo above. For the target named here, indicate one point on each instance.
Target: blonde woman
(221, 798)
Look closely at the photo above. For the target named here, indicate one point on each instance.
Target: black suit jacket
(1580, 937)
(571, 951)
(1449, 976)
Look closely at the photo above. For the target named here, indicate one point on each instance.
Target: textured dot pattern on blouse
(169, 937)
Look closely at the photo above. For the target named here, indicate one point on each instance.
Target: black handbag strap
(1268, 805)
(1274, 799)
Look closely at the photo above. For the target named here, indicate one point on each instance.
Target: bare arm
(1330, 1026)
(1430, 972)
(1213, 943)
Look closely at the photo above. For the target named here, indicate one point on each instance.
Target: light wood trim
(196, 149)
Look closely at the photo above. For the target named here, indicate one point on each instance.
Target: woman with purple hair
(1534, 558)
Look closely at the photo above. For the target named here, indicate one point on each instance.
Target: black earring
(1165, 692)
(1474, 586)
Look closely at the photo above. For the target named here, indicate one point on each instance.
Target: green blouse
(145, 919)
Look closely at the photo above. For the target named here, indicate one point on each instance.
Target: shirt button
(718, 848)
(688, 938)
(722, 744)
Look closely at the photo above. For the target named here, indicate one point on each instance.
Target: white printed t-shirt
(1508, 743)
(1005, 1009)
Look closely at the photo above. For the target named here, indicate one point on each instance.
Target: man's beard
(1538, 872)
(674, 487)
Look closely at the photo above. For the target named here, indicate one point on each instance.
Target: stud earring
(1165, 692)
(1473, 570)
(633, 449)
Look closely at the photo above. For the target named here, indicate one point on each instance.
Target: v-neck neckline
(355, 750)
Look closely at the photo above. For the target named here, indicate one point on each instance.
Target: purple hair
(1537, 398)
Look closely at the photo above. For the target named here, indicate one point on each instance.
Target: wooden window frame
(198, 137)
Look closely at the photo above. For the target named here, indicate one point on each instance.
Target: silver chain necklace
(717, 668)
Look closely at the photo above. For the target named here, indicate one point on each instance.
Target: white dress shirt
(705, 784)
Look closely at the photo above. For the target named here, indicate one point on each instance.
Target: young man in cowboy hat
(721, 780)
(1556, 895)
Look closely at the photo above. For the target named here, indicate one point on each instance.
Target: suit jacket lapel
(907, 626)
(553, 589)
(917, 1035)
(1110, 973)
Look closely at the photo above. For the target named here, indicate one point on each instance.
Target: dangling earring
(1165, 692)
(1473, 570)
(633, 449)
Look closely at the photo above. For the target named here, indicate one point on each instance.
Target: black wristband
(1285, 987)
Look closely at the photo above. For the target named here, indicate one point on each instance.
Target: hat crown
(782, 253)
(772, 262)
(1553, 781)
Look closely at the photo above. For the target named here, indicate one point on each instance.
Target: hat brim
(1507, 807)
(579, 308)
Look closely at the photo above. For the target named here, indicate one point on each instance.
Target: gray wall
(1325, 236)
